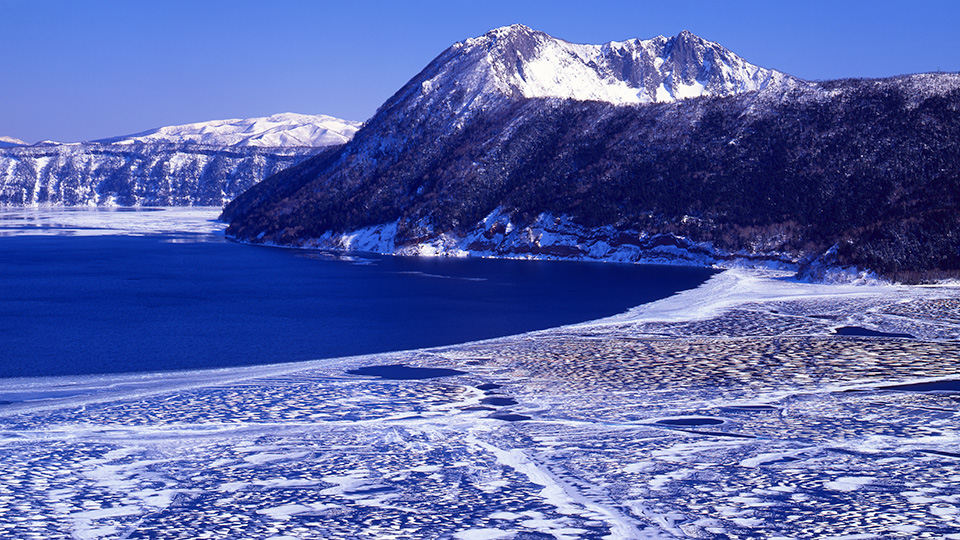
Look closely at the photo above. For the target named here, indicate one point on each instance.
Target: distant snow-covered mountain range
(205, 163)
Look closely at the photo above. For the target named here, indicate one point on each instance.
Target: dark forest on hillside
(871, 166)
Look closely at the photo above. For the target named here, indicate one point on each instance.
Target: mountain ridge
(8, 142)
(204, 163)
(278, 130)
(518, 61)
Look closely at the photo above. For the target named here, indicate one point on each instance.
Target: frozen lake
(85, 291)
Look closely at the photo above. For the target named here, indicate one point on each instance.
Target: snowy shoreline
(720, 293)
(724, 291)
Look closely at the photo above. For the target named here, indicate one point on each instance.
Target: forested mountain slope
(848, 172)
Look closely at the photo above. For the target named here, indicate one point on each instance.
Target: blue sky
(80, 69)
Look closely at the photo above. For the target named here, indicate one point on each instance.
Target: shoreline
(725, 291)
(674, 256)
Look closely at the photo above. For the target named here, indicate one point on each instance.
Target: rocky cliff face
(754, 166)
(203, 164)
(136, 175)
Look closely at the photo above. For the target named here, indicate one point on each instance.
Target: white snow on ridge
(284, 129)
(519, 61)
(11, 141)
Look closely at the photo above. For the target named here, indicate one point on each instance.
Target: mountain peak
(509, 30)
(687, 39)
(503, 38)
(517, 61)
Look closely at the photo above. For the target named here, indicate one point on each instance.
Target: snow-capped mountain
(516, 144)
(285, 129)
(517, 61)
(478, 83)
(206, 163)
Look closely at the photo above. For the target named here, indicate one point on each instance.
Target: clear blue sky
(76, 70)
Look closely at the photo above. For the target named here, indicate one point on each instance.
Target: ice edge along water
(722, 292)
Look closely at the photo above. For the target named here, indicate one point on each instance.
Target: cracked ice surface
(744, 417)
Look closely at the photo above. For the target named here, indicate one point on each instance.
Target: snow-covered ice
(94, 221)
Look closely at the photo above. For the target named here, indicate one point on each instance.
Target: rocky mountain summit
(519, 62)
(518, 144)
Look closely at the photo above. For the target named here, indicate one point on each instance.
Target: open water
(83, 304)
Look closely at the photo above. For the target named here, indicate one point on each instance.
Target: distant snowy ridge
(517, 61)
(201, 164)
(285, 129)
(6, 142)
(140, 175)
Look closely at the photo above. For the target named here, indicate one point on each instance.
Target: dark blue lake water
(100, 304)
